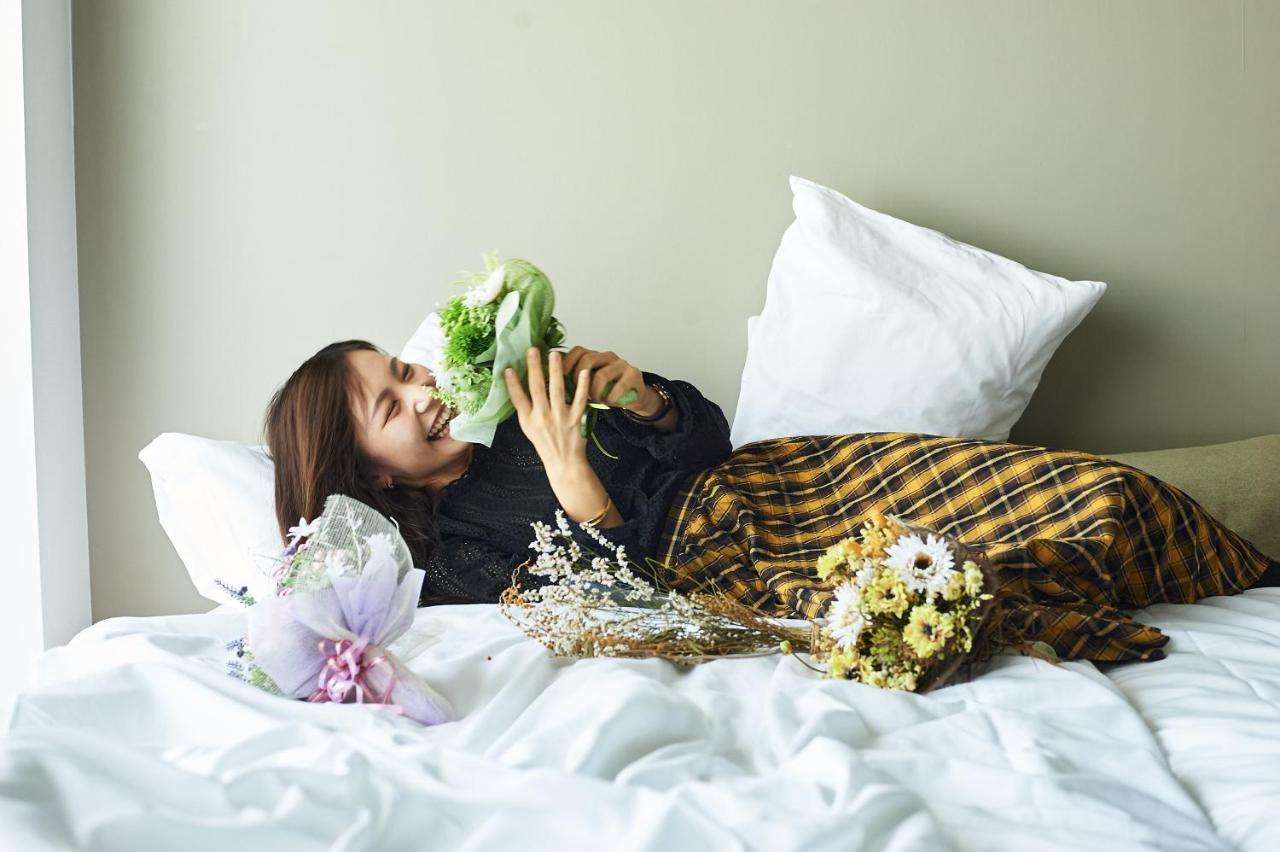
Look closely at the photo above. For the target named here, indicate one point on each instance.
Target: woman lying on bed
(1075, 538)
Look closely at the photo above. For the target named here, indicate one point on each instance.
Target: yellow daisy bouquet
(907, 605)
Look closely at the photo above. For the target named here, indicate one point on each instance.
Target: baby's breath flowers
(903, 615)
(596, 605)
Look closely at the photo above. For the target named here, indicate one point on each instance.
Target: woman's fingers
(613, 381)
(602, 378)
(580, 397)
(555, 383)
(537, 384)
(571, 359)
(518, 397)
(629, 389)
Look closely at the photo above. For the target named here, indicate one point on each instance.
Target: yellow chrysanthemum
(887, 594)
(927, 630)
(870, 674)
(842, 662)
(842, 557)
(955, 586)
(872, 541)
(848, 549)
(827, 563)
(885, 642)
(972, 577)
(902, 680)
(894, 677)
(877, 534)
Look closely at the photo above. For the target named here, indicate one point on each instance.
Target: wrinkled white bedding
(131, 737)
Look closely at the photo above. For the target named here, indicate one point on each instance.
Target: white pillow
(216, 502)
(872, 324)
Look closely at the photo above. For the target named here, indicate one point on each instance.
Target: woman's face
(393, 415)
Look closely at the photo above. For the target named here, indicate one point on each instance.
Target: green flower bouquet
(469, 342)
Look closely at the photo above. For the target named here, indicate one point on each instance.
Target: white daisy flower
(865, 574)
(485, 293)
(920, 562)
(303, 529)
(844, 620)
(935, 583)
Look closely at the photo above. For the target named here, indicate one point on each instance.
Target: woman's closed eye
(395, 404)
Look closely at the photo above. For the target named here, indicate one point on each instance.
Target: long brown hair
(310, 434)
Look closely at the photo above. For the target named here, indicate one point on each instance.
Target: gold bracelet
(600, 517)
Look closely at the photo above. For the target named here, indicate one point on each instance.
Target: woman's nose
(424, 401)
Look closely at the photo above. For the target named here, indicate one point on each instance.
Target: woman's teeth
(438, 429)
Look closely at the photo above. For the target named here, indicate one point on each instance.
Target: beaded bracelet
(666, 406)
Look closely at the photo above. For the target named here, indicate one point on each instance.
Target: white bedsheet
(132, 738)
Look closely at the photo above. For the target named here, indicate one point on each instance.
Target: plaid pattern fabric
(1075, 538)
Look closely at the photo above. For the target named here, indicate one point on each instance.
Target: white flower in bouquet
(486, 292)
(925, 565)
(431, 341)
(845, 621)
(302, 529)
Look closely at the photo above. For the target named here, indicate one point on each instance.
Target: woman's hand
(612, 379)
(551, 422)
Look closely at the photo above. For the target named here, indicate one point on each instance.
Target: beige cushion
(1237, 482)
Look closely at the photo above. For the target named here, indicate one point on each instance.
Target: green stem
(586, 426)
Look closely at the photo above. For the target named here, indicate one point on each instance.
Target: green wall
(257, 179)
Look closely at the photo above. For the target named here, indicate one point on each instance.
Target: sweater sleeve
(701, 436)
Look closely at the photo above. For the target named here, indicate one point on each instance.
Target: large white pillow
(216, 502)
(872, 324)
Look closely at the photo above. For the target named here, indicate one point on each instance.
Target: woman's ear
(379, 481)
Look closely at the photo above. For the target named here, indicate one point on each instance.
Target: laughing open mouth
(442, 423)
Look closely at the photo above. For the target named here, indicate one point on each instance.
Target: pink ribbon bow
(344, 678)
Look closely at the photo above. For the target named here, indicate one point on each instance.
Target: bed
(132, 737)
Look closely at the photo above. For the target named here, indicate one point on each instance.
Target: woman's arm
(551, 424)
(582, 495)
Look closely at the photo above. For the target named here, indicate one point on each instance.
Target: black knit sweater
(484, 516)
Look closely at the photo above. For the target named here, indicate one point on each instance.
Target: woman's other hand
(547, 418)
(612, 378)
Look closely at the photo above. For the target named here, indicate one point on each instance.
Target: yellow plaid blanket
(1075, 538)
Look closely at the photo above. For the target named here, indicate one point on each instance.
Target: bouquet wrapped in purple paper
(341, 597)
